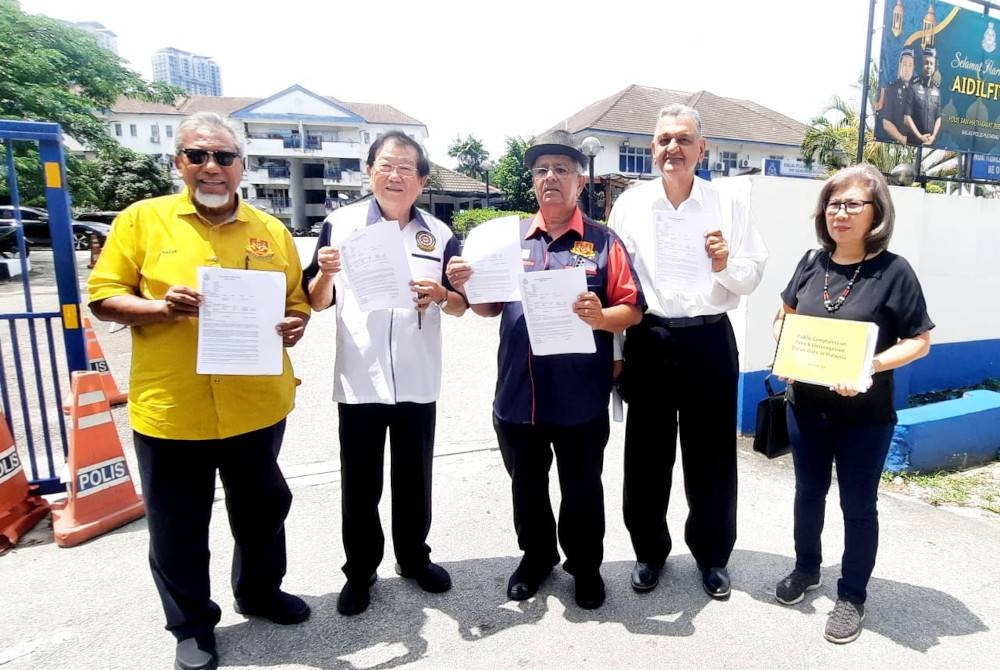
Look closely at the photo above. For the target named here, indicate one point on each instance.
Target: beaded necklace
(833, 306)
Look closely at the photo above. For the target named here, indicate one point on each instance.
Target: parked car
(35, 224)
(97, 217)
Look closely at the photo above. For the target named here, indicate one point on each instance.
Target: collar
(375, 215)
(186, 206)
(538, 224)
(697, 194)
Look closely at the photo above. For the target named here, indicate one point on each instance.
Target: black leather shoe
(716, 582)
(645, 576)
(430, 577)
(354, 598)
(281, 608)
(196, 653)
(526, 579)
(589, 591)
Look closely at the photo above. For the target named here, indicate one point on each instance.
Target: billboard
(939, 78)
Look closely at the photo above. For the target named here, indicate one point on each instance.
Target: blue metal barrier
(34, 397)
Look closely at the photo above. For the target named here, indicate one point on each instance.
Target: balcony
(276, 206)
(315, 146)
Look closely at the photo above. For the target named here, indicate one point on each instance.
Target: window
(118, 130)
(729, 160)
(635, 159)
(705, 163)
(154, 131)
(133, 130)
(168, 130)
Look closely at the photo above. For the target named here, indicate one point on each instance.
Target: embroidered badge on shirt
(583, 248)
(260, 248)
(425, 241)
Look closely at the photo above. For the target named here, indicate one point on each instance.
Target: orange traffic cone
(19, 511)
(98, 364)
(101, 496)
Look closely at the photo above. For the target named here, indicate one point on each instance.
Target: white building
(302, 149)
(106, 39)
(197, 75)
(740, 135)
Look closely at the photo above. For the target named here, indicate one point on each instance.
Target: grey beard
(212, 201)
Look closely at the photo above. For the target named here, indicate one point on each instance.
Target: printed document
(682, 265)
(377, 268)
(825, 351)
(237, 320)
(553, 328)
(493, 249)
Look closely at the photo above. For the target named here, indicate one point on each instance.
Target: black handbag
(770, 436)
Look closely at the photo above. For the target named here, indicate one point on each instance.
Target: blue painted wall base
(946, 435)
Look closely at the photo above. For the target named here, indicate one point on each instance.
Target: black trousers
(681, 379)
(362, 452)
(178, 484)
(858, 451)
(579, 450)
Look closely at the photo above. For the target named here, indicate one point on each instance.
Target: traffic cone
(100, 494)
(19, 511)
(98, 364)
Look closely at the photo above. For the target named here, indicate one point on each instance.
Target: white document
(377, 267)
(237, 320)
(553, 328)
(493, 249)
(682, 264)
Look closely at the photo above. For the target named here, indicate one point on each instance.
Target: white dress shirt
(632, 218)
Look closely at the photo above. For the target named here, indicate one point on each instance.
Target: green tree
(832, 139)
(120, 176)
(473, 158)
(53, 72)
(511, 177)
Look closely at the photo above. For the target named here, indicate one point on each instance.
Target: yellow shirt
(158, 243)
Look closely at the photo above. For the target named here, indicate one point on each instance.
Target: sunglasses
(199, 156)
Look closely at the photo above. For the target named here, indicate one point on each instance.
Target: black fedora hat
(557, 142)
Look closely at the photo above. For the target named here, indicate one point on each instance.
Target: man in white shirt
(681, 362)
(387, 373)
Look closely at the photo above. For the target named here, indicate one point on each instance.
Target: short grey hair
(209, 121)
(678, 109)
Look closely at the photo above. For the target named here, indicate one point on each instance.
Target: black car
(35, 224)
(97, 217)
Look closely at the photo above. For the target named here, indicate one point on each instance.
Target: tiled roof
(633, 111)
(184, 105)
(449, 180)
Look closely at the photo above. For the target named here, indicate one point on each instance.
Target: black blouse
(887, 293)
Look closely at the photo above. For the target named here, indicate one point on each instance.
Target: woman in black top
(854, 277)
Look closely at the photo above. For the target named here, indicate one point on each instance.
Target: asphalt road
(932, 599)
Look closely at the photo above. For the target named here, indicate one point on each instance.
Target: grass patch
(977, 489)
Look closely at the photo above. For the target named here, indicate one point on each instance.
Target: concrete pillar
(297, 193)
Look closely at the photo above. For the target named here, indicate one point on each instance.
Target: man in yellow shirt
(186, 426)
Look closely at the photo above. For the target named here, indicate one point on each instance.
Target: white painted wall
(952, 244)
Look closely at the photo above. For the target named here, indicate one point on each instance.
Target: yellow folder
(825, 351)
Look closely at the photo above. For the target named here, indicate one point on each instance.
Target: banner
(939, 78)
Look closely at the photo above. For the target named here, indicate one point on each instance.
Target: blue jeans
(859, 453)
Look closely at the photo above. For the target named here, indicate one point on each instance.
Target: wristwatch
(443, 301)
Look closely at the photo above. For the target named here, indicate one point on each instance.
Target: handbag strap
(770, 387)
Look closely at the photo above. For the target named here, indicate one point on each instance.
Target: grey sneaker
(792, 589)
(844, 624)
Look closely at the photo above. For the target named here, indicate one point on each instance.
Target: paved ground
(932, 599)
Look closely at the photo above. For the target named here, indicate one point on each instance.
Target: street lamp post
(591, 146)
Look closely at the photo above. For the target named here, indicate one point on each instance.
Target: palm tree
(832, 139)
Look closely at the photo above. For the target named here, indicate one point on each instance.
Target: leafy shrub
(464, 221)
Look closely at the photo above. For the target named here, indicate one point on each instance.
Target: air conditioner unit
(719, 167)
(744, 163)
(155, 139)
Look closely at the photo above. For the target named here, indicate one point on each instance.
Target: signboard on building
(985, 167)
(776, 167)
(939, 78)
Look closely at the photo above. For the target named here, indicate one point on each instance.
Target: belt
(685, 321)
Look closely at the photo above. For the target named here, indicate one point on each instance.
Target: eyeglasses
(403, 171)
(560, 171)
(199, 156)
(852, 207)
